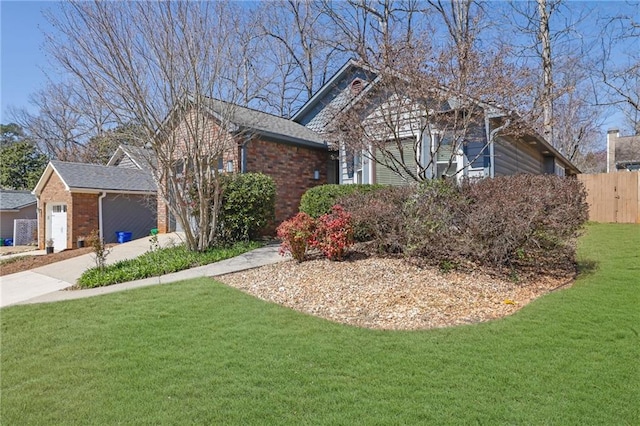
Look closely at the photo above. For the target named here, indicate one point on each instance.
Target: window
(59, 208)
(441, 145)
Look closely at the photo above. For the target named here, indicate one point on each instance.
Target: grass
(10, 260)
(198, 352)
(159, 262)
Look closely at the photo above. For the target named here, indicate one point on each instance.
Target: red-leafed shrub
(296, 235)
(334, 233)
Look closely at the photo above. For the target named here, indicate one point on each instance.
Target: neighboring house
(623, 152)
(15, 205)
(294, 156)
(75, 199)
(503, 155)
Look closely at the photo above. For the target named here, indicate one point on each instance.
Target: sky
(23, 61)
(24, 65)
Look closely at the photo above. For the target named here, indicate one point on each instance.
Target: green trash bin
(154, 231)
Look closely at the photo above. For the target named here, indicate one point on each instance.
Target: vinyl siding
(128, 213)
(6, 224)
(386, 176)
(127, 163)
(512, 158)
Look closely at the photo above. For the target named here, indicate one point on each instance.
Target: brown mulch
(27, 262)
(389, 293)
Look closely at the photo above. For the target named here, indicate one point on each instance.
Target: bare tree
(376, 32)
(299, 52)
(65, 122)
(618, 68)
(167, 67)
(431, 95)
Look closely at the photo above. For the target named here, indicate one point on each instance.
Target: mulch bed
(390, 293)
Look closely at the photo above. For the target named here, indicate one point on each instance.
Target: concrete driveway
(47, 283)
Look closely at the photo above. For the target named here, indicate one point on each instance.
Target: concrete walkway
(47, 283)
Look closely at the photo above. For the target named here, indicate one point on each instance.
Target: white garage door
(59, 226)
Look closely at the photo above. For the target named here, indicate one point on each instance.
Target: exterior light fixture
(316, 174)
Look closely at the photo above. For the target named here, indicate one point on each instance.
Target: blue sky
(23, 61)
(24, 64)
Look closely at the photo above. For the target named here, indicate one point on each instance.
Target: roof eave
(80, 190)
(323, 90)
(291, 139)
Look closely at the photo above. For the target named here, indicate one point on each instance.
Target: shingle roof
(104, 178)
(267, 124)
(627, 149)
(15, 200)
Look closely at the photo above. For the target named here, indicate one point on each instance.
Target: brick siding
(82, 211)
(292, 169)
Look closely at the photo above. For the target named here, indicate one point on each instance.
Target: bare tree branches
(164, 66)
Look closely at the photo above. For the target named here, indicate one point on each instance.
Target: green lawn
(197, 352)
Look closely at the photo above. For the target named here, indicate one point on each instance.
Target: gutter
(102, 195)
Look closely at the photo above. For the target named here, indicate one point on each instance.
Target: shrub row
(158, 262)
(517, 222)
(320, 199)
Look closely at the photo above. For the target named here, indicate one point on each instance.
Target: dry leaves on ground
(384, 293)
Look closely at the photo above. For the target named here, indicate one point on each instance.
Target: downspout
(100, 230)
(39, 217)
(243, 155)
(490, 142)
(491, 151)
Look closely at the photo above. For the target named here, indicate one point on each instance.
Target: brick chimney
(612, 138)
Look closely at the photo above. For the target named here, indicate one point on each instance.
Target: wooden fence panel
(613, 197)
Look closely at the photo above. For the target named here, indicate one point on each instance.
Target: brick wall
(291, 167)
(54, 192)
(84, 216)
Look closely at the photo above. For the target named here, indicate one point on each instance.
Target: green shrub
(320, 199)
(435, 222)
(248, 206)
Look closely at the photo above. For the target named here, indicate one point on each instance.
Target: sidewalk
(46, 284)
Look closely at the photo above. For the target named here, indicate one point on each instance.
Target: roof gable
(331, 98)
(138, 157)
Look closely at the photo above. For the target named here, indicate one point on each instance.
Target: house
(298, 153)
(17, 206)
(623, 152)
(483, 153)
(296, 157)
(75, 199)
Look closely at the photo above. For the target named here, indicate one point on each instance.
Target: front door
(59, 226)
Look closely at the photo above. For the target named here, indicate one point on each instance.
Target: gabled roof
(15, 200)
(141, 157)
(82, 177)
(349, 71)
(268, 125)
(334, 95)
